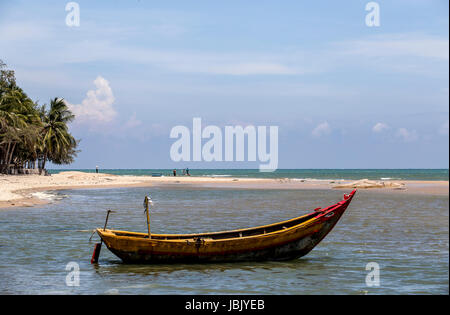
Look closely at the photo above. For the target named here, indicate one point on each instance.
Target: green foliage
(58, 144)
(28, 131)
(7, 78)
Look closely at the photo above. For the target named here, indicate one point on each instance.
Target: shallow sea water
(406, 235)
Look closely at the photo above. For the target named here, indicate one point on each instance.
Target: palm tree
(19, 125)
(28, 131)
(58, 145)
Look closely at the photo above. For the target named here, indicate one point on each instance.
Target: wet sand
(23, 190)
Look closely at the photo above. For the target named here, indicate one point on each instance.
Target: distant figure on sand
(174, 172)
(96, 169)
(187, 172)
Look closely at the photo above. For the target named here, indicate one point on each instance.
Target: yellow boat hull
(279, 241)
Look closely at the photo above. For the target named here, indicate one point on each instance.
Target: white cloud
(97, 106)
(404, 52)
(406, 135)
(419, 54)
(321, 130)
(401, 45)
(24, 31)
(239, 68)
(380, 127)
(133, 122)
(168, 29)
(232, 63)
(408, 52)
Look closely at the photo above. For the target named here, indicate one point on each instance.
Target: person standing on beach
(174, 172)
(96, 169)
(187, 172)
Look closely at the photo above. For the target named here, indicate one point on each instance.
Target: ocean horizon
(299, 174)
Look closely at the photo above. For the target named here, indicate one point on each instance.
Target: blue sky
(344, 95)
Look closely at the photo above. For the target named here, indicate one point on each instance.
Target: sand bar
(23, 190)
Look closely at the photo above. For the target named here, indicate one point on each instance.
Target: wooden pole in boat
(98, 246)
(107, 217)
(146, 202)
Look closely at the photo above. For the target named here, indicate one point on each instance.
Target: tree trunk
(43, 165)
(8, 161)
(5, 160)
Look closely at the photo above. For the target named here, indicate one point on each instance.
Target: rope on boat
(93, 232)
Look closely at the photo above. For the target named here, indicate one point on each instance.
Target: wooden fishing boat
(279, 241)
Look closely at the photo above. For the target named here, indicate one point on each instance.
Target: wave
(48, 195)
(316, 179)
(216, 175)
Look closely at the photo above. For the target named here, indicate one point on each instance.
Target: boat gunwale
(204, 236)
(141, 235)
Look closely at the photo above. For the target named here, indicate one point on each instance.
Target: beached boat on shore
(279, 241)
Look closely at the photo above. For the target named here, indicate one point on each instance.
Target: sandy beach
(26, 190)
